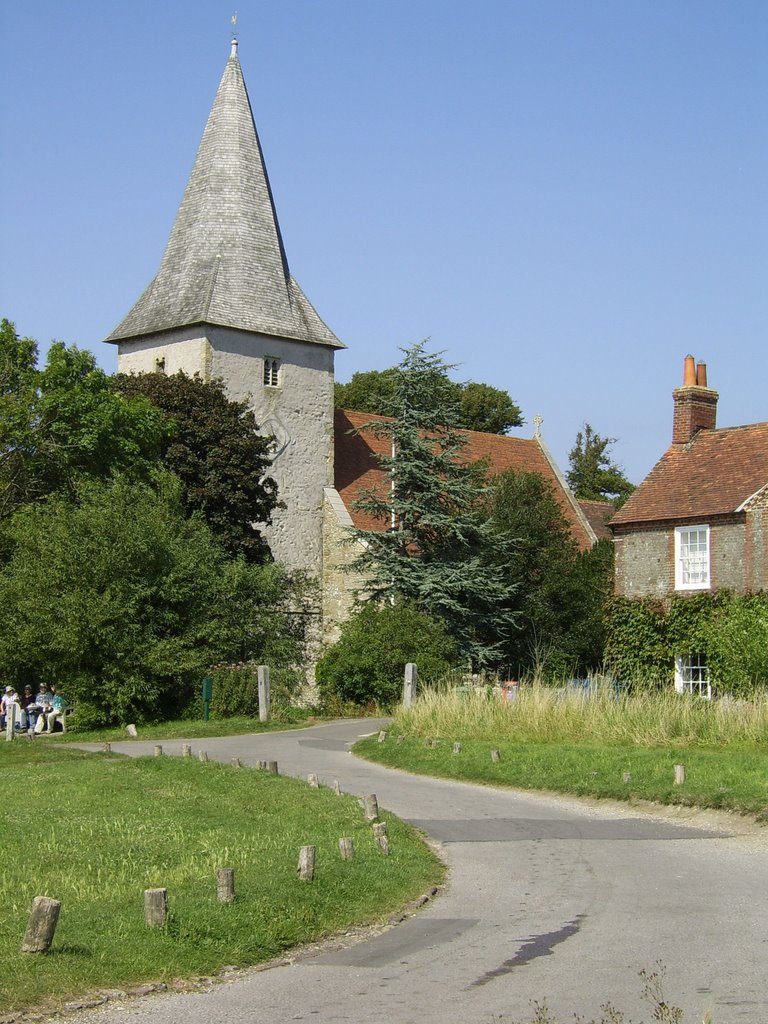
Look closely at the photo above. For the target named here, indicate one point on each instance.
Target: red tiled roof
(357, 469)
(715, 473)
(598, 513)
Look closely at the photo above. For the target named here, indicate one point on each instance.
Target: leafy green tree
(124, 600)
(437, 552)
(481, 407)
(592, 474)
(64, 422)
(215, 448)
(367, 663)
(560, 591)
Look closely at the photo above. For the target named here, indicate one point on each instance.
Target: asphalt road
(548, 899)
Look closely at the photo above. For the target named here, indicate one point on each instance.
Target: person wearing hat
(10, 706)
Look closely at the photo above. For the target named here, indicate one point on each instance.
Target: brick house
(699, 520)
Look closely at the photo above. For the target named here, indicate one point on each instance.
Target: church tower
(224, 304)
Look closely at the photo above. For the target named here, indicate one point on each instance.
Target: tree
(367, 662)
(123, 600)
(560, 590)
(65, 422)
(215, 448)
(481, 407)
(593, 476)
(437, 553)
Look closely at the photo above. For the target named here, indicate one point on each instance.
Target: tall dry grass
(598, 715)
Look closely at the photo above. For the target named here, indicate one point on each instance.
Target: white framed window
(271, 372)
(692, 558)
(692, 675)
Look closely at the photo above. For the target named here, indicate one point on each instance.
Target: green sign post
(207, 696)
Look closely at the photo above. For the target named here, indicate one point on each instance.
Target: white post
(411, 679)
(263, 675)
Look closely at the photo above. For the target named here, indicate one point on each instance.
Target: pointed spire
(225, 262)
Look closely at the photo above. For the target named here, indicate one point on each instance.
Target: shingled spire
(225, 262)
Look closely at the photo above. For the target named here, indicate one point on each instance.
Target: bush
(368, 661)
(236, 689)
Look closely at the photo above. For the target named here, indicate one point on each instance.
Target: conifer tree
(436, 548)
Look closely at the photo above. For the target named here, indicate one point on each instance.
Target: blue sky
(567, 197)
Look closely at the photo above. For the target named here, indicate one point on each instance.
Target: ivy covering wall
(645, 635)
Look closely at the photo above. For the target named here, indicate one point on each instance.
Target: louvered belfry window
(271, 373)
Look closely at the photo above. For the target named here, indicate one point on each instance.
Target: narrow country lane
(547, 899)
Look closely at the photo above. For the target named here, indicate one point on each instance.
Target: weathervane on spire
(537, 421)
(233, 19)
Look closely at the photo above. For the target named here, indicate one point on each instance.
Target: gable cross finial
(537, 421)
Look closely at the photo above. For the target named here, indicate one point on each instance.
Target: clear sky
(567, 197)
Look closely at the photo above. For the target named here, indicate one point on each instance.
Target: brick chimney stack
(695, 403)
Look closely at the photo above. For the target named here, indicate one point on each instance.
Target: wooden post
(203, 755)
(261, 765)
(225, 885)
(262, 672)
(457, 748)
(679, 774)
(627, 776)
(346, 848)
(272, 767)
(381, 837)
(306, 867)
(312, 780)
(382, 736)
(336, 787)
(9, 717)
(400, 739)
(107, 748)
(236, 762)
(371, 807)
(155, 907)
(186, 750)
(495, 755)
(41, 925)
(428, 742)
(158, 751)
(411, 681)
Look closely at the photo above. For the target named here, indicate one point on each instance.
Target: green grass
(94, 831)
(567, 743)
(183, 728)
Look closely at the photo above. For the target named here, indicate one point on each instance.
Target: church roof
(357, 468)
(225, 262)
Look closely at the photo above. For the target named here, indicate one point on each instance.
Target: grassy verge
(184, 728)
(94, 831)
(586, 745)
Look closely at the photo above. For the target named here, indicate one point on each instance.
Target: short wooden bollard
(381, 837)
(306, 868)
(679, 774)
(336, 787)
(203, 755)
(312, 780)
(400, 739)
(158, 751)
(371, 807)
(627, 776)
(107, 748)
(155, 907)
(346, 848)
(457, 748)
(272, 767)
(495, 755)
(261, 765)
(186, 750)
(41, 925)
(382, 736)
(236, 762)
(225, 885)
(428, 741)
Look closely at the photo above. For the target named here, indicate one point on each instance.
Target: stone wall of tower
(298, 410)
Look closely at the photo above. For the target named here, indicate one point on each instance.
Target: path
(548, 898)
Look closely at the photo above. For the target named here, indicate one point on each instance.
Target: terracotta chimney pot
(689, 373)
(701, 375)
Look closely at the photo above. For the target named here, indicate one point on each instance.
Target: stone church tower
(224, 304)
